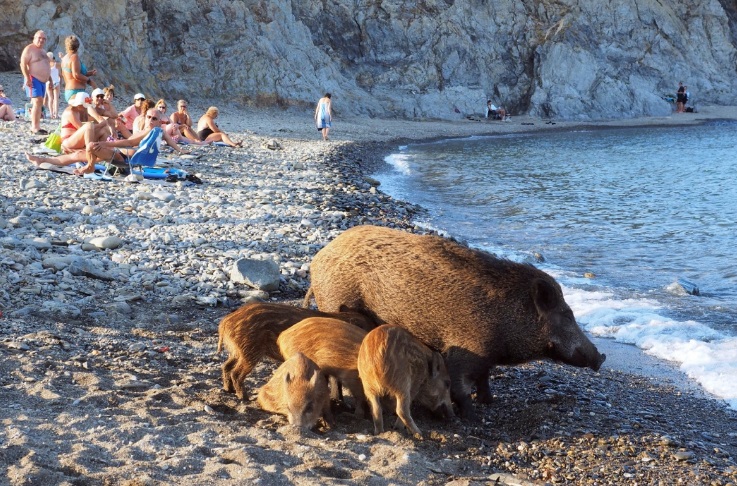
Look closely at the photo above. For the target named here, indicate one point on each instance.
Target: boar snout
(585, 358)
(595, 365)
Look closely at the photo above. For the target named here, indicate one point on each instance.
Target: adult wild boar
(476, 309)
(250, 333)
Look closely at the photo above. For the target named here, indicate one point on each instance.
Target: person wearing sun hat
(103, 106)
(76, 132)
(130, 114)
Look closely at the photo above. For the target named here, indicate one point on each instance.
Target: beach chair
(144, 156)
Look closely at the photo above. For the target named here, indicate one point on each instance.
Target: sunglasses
(153, 118)
(182, 106)
(162, 107)
(99, 96)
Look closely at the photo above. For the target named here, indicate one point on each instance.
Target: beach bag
(54, 141)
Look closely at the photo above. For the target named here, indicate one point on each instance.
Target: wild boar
(392, 362)
(250, 333)
(299, 390)
(476, 309)
(333, 345)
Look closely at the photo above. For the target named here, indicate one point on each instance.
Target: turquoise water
(639, 208)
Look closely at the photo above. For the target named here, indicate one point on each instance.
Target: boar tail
(220, 343)
(306, 302)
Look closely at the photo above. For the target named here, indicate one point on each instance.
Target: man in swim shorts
(36, 71)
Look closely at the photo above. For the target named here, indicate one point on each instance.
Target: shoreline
(109, 374)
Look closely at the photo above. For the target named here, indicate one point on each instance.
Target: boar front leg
(403, 412)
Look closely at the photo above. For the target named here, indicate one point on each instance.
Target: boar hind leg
(227, 377)
(403, 405)
(376, 413)
(238, 376)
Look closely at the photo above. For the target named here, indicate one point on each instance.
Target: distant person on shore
(75, 73)
(208, 130)
(34, 64)
(681, 98)
(495, 113)
(324, 115)
(53, 87)
(6, 107)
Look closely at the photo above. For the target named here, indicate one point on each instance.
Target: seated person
(140, 122)
(79, 113)
(129, 114)
(494, 112)
(120, 151)
(182, 118)
(208, 130)
(102, 106)
(109, 97)
(6, 107)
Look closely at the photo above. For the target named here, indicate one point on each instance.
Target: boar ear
(544, 296)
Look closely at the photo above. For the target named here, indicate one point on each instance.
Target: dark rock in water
(689, 287)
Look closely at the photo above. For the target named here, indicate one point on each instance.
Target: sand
(136, 398)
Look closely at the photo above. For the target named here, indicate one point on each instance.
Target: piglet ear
(315, 376)
(544, 296)
(433, 365)
(288, 378)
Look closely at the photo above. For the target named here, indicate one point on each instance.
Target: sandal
(40, 131)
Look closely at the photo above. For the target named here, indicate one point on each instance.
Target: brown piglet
(299, 390)
(250, 333)
(333, 345)
(392, 362)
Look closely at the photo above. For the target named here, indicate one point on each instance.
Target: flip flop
(97, 177)
(40, 131)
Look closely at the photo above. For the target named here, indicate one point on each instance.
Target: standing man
(36, 71)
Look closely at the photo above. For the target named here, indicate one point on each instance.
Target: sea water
(619, 217)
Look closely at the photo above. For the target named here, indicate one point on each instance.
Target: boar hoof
(465, 409)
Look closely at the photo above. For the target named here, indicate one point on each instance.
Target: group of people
(91, 129)
(494, 112)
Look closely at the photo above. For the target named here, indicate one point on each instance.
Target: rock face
(565, 59)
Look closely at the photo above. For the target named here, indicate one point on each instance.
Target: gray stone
(80, 267)
(259, 274)
(60, 309)
(106, 242)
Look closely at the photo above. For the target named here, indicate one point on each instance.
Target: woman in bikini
(208, 130)
(74, 117)
(183, 120)
(76, 77)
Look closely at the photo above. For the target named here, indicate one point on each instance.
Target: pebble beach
(110, 298)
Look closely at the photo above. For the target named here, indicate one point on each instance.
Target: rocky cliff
(568, 59)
